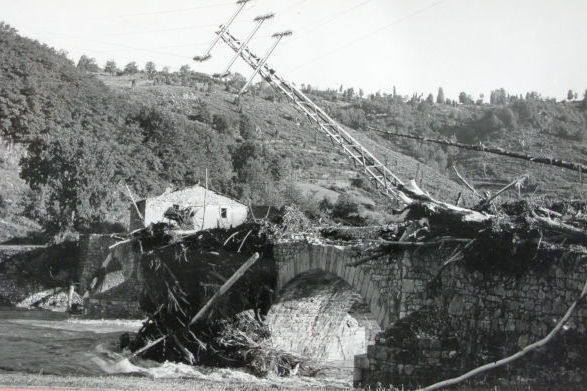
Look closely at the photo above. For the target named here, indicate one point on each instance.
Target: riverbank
(133, 383)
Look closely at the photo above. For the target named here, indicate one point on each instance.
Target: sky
(417, 46)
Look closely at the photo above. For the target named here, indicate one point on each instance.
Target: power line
(321, 23)
(375, 31)
(193, 27)
(160, 12)
(121, 46)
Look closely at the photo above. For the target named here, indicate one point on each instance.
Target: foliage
(131, 68)
(87, 64)
(246, 128)
(111, 67)
(201, 114)
(347, 210)
(235, 82)
(184, 73)
(219, 123)
(353, 117)
(150, 70)
(440, 97)
(465, 99)
(498, 97)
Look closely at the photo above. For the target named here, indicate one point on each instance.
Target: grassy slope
(282, 129)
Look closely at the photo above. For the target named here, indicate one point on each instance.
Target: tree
(246, 128)
(150, 70)
(570, 95)
(111, 67)
(184, 74)
(219, 123)
(465, 99)
(131, 68)
(76, 172)
(440, 97)
(236, 82)
(430, 99)
(349, 94)
(87, 64)
(5, 28)
(498, 97)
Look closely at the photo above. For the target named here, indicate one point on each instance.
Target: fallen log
(493, 150)
(226, 286)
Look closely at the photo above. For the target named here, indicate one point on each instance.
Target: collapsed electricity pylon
(385, 180)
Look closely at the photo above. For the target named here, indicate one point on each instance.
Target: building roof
(167, 192)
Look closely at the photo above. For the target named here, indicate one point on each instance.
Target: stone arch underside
(298, 258)
(319, 315)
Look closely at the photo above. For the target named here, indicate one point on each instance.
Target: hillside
(280, 128)
(73, 139)
(530, 125)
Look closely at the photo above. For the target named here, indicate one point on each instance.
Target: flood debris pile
(512, 237)
(199, 309)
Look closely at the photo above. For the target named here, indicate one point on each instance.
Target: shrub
(219, 123)
(527, 111)
(507, 116)
(201, 114)
(131, 68)
(346, 208)
(246, 127)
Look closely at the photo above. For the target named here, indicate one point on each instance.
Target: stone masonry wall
(468, 317)
(120, 284)
(29, 272)
(441, 327)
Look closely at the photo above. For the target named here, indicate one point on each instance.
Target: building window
(223, 213)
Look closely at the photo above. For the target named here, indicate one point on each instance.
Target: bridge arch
(294, 259)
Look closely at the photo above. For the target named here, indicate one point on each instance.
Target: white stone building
(213, 209)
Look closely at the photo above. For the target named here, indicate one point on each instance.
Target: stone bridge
(332, 304)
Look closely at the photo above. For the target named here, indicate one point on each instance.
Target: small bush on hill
(219, 123)
(346, 210)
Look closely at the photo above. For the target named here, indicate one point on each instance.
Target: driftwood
(466, 183)
(493, 150)
(135, 204)
(191, 319)
(515, 182)
(226, 286)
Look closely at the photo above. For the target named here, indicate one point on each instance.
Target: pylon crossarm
(278, 37)
(260, 20)
(223, 28)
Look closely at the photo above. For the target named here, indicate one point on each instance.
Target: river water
(43, 342)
